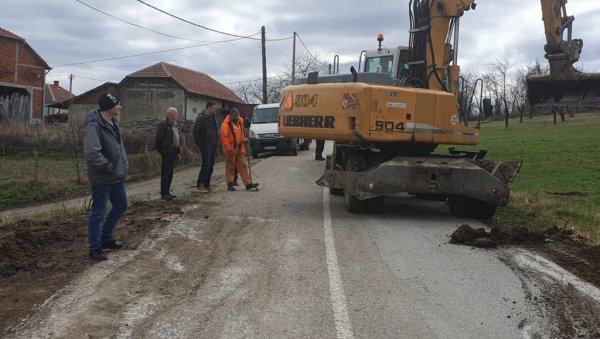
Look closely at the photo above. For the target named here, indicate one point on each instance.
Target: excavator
(387, 121)
(385, 129)
(564, 86)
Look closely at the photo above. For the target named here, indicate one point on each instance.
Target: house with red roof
(22, 78)
(148, 93)
(56, 100)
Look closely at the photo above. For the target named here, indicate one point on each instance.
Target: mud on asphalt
(38, 258)
(571, 315)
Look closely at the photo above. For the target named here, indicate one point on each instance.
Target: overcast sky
(65, 32)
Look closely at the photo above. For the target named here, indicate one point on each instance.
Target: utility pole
(264, 63)
(294, 60)
(70, 83)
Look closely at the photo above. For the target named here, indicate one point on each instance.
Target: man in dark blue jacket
(107, 168)
(206, 137)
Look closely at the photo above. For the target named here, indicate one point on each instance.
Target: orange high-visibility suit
(234, 147)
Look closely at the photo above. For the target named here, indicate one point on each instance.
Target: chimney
(56, 83)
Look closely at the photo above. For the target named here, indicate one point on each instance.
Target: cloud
(65, 32)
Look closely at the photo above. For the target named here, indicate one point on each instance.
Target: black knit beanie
(108, 101)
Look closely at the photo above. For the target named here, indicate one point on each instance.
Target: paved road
(290, 262)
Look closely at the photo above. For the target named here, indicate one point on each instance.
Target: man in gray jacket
(107, 168)
(166, 143)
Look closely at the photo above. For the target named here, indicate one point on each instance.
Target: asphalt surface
(290, 262)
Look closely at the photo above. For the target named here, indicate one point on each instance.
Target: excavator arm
(434, 24)
(561, 53)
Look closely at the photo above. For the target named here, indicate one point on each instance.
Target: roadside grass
(559, 183)
(26, 178)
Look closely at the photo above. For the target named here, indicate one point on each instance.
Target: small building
(148, 93)
(22, 79)
(80, 105)
(56, 102)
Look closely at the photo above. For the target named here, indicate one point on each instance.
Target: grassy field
(27, 177)
(559, 183)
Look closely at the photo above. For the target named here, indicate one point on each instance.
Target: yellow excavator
(564, 86)
(386, 128)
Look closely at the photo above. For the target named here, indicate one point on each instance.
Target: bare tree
(469, 93)
(501, 68)
(492, 87)
(251, 91)
(518, 92)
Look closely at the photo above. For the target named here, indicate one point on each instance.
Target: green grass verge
(26, 179)
(559, 183)
(20, 192)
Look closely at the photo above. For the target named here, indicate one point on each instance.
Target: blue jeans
(209, 155)
(100, 225)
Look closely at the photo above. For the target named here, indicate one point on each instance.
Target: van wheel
(254, 155)
(294, 152)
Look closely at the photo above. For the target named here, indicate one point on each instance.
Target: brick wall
(8, 60)
(20, 66)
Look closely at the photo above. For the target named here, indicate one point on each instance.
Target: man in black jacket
(206, 137)
(167, 144)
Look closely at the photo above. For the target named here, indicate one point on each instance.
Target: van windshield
(265, 115)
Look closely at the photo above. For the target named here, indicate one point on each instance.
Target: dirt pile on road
(561, 246)
(37, 258)
(467, 235)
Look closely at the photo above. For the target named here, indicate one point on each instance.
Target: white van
(263, 133)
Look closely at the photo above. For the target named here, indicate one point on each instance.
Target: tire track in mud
(131, 284)
(571, 306)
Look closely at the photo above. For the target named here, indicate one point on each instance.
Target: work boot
(166, 197)
(112, 245)
(230, 187)
(173, 196)
(319, 158)
(201, 189)
(96, 255)
(252, 187)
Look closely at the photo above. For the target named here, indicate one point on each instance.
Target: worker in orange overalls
(234, 147)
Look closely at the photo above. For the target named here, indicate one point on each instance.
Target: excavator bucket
(580, 92)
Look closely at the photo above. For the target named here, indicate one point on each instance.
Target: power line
(211, 51)
(136, 25)
(310, 54)
(81, 76)
(255, 80)
(191, 23)
(207, 28)
(142, 54)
